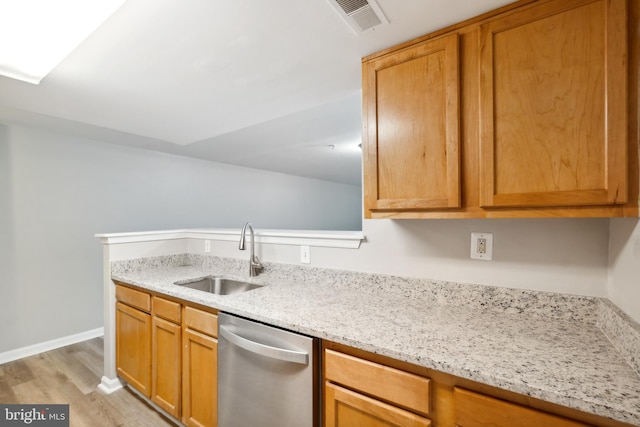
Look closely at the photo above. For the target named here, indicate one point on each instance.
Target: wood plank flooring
(71, 375)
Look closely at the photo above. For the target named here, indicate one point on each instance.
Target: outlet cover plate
(482, 246)
(305, 254)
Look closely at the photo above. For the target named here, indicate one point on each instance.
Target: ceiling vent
(361, 15)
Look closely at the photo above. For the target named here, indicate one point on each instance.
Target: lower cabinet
(133, 331)
(133, 338)
(200, 368)
(166, 355)
(366, 389)
(168, 351)
(346, 408)
(479, 410)
(360, 392)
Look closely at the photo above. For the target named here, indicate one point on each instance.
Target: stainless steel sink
(219, 285)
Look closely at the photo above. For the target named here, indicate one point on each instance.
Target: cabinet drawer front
(346, 408)
(166, 309)
(392, 385)
(478, 410)
(201, 321)
(134, 298)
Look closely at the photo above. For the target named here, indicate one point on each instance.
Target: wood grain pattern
(442, 412)
(633, 114)
(166, 366)
(618, 18)
(69, 375)
(201, 320)
(134, 298)
(400, 388)
(553, 106)
(167, 309)
(199, 379)
(133, 351)
(477, 410)
(411, 111)
(345, 408)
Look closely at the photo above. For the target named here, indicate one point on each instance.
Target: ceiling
(269, 84)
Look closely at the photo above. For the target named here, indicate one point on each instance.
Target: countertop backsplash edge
(621, 330)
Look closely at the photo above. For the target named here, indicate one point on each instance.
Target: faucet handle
(255, 262)
(255, 266)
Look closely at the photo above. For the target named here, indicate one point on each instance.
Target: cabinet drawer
(389, 384)
(478, 410)
(200, 320)
(134, 298)
(348, 408)
(168, 310)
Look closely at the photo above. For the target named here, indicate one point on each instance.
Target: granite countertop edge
(309, 307)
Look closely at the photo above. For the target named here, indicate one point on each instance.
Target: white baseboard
(31, 350)
(109, 385)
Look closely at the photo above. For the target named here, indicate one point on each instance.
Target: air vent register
(361, 15)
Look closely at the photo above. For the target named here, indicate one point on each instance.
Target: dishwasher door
(267, 377)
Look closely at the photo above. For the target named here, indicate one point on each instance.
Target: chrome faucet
(254, 262)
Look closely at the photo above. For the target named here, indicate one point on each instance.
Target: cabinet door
(166, 365)
(133, 340)
(199, 379)
(553, 106)
(346, 408)
(411, 128)
(477, 410)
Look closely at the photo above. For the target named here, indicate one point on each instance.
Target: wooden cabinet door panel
(166, 367)
(411, 118)
(553, 106)
(199, 379)
(346, 408)
(477, 410)
(133, 353)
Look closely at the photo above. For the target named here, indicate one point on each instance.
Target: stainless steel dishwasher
(267, 376)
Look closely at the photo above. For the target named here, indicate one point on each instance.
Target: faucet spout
(254, 262)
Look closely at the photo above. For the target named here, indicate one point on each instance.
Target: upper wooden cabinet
(553, 106)
(411, 109)
(527, 111)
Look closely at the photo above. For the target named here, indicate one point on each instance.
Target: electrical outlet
(207, 246)
(305, 254)
(482, 246)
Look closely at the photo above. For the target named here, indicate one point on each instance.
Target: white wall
(624, 265)
(556, 255)
(56, 192)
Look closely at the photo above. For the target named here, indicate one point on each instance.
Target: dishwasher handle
(300, 357)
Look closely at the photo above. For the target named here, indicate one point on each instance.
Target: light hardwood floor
(71, 375)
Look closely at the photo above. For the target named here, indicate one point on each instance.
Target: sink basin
(219, 285)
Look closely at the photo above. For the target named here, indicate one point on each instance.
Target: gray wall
(56, 192)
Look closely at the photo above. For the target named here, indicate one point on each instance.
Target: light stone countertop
(547, 346)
